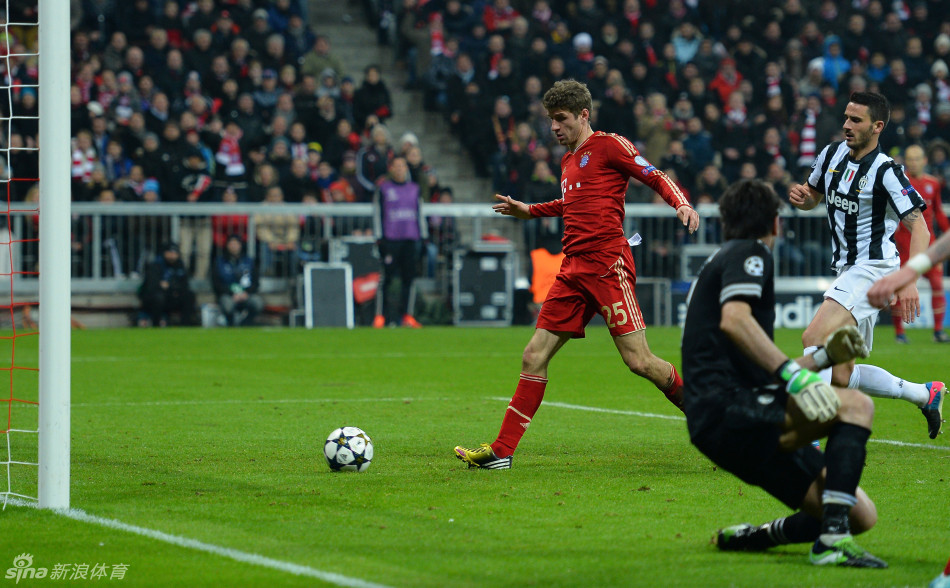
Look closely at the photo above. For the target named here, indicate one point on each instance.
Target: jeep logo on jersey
(842, 203)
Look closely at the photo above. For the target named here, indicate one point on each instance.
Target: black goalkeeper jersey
(740, 270)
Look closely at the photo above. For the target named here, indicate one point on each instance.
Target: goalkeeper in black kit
(754, 412)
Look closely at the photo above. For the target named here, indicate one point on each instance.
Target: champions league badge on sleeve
(585, 158)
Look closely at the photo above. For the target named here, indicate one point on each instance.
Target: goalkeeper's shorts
(590, 283)
(739, 430)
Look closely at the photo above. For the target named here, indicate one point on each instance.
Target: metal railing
(111, 242)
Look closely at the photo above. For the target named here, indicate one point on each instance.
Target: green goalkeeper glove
(816, 399)
(841, 346)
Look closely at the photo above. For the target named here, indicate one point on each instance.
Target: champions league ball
(348, 448)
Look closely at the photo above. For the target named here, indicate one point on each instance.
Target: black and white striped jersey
(866, 199)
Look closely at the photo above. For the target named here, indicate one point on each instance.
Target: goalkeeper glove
(816, 399)
(841, 346)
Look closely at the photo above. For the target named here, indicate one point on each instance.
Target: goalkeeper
(754, 412)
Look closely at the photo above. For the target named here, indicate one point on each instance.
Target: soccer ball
(348, 448)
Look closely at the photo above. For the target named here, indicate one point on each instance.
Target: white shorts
(850, 290)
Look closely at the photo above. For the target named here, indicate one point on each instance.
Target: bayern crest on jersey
(585, 158)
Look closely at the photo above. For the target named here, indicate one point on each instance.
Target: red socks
(528, 395)
(898, 323)
(674, 388)
(939, 303)
(520, 411)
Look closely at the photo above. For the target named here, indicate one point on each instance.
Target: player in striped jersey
(867, 195)
(597, 274)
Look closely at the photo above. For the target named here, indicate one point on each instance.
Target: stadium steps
(355, 44)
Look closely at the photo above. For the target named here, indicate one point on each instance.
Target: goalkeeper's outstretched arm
(817, 399)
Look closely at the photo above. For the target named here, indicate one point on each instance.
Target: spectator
(343, 139)
(226, 225)
(114, 55)
(686, 41)
(834, 65)
(373, 160)
(655, 126)
(499, 16)
(372, 98)
(117, 165)
(265, 177)
(400, 230)
(277, 236)
(581, 61)
(726, 81)
(939, 127)
(443, 234)
(615, 114)
(320, 58)
(236, 283)
(195, 231)
(165, 290)
(299, 38)
(259, 31)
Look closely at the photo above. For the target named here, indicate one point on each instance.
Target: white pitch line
(236, 555)
(250, 401)
(679, 418)
(606, 410)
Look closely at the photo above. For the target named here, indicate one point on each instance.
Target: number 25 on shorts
(616, 313)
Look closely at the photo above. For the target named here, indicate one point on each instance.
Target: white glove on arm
(817, 400)
(843, 345)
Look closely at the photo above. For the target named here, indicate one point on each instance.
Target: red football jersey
(929, 189)
(594, 180)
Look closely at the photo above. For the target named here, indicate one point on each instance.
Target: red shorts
(588, 283)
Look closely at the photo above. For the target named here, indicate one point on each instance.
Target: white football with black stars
(348, 449)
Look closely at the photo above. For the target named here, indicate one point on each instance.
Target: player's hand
(882, 292)
(908, 302)
(689, 217)
(817, 400)
(798, 195)
(843, 345)
(508, 206)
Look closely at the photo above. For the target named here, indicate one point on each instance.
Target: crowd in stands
(246, 101)
(210, 101)
(709, 91)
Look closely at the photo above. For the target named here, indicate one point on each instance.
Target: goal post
(54, 254)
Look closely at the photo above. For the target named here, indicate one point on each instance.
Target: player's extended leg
(524, 404)
(870, 379)
(637, 356)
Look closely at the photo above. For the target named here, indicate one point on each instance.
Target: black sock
(800, 527)
(844, 457)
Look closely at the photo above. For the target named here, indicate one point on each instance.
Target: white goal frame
(54, 255)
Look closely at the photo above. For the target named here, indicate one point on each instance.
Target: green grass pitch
(217, 435)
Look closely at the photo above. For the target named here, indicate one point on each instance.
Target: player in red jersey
(929, 189)
(597, 274)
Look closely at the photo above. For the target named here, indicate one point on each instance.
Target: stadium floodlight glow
(54, 254)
